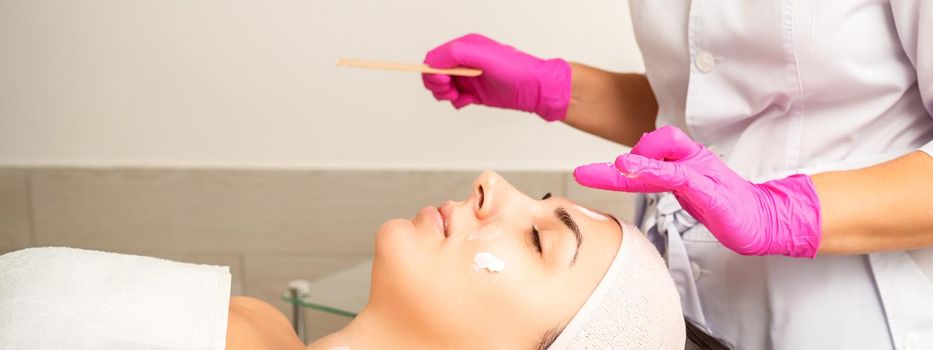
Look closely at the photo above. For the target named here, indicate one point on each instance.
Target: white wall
(252, 83)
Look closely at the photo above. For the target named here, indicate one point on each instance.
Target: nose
(489, 190)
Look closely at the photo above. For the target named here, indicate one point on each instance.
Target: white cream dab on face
(484, 234)
(485, 260)
(592, 214)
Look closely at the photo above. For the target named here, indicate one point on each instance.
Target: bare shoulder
(254, 324)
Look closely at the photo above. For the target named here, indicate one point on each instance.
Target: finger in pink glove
(511, 79)
(775, 217)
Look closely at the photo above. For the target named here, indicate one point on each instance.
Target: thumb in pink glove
(776, 217)
(511, 79)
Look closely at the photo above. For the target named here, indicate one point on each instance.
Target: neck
(369, 330)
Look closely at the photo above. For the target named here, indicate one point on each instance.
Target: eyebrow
(568, 221)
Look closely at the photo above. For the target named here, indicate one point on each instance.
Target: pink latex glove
(511, 79)
(776, 217)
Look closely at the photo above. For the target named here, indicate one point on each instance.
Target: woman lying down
(498, 270)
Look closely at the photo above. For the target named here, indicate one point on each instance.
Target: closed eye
(536, 239)
(535, 236)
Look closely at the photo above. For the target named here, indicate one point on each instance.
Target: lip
(436, 216)
(446, 210)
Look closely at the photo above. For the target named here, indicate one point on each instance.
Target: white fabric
(635, 305)
(64, 298)
(914, 24)
(794, 86)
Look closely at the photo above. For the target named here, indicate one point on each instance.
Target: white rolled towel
(65, 298)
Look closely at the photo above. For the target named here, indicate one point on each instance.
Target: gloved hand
(511, 79)
(776, 217)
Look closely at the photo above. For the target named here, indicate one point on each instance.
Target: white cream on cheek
(485, 260)
(485, 235)
(592, 214)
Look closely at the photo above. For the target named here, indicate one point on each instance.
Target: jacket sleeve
(913, 20)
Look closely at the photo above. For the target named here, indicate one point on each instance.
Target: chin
(396, 249)
(396, 267)
(394, 237)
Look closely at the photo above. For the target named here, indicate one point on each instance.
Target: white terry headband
(634, 306)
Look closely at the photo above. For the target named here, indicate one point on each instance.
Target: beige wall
(252, 83)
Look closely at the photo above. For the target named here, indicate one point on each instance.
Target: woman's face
(424, 272)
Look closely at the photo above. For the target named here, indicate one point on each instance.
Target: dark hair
(699, 339)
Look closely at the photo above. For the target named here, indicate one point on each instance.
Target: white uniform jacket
(788, 86)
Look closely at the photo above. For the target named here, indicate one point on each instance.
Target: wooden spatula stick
(408, 67)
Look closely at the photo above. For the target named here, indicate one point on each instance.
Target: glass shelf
(344, 292)
(319, 307)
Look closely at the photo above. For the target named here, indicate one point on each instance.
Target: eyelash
(536, 238)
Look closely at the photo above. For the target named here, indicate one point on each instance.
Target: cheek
(514, 296)
(439, 290)
(512, 304)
